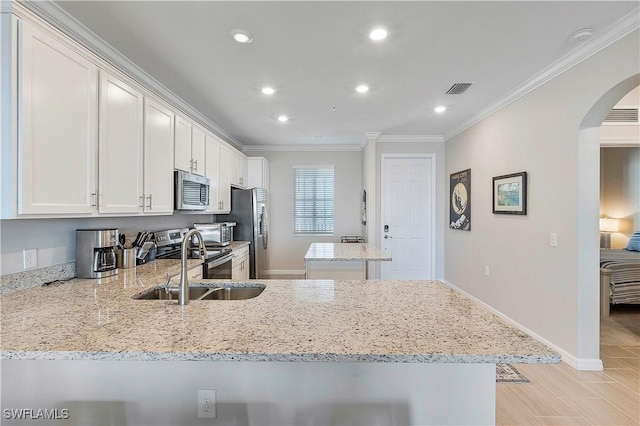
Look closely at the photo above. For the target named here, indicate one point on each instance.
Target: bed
(620, 275)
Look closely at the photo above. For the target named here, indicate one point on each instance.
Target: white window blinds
(313, 200)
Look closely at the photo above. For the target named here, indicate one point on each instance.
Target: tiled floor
(561, 395)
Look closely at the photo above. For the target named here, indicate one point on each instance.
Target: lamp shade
(609, 225)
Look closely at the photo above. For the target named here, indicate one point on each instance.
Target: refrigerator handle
(265, 232)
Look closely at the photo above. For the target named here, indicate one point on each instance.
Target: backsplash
(35, 277)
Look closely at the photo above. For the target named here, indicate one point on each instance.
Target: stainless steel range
(217, 264)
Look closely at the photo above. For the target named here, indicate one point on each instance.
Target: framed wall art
(510, 194)
(460, 200)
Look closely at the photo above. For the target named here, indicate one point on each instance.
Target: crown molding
(621, 28)
(62, 21)
(302, 148)
(410, 139)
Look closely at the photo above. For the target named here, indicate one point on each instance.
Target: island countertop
(345, 251)
(303, 320)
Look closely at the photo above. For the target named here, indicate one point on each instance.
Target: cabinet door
(258, 173)
(182, 152)
(58, 113)
(197, 151)
(224, 192)
(236, 274)
(120, 147)
(242, 170)
(158, 157)
(212, 171)
(244, 268)
(234, 168)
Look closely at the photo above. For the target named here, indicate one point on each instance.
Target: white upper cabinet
(120, 147)
(238, 169)
(258, 173)
(158, 157)
(182, 152)
(57, 140)
(224, 189)
(189, 147)
(212, 171)
(198, 159)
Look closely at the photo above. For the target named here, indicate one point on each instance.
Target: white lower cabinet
(240, 264)
(57, 92)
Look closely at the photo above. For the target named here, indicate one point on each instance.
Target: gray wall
(286, 253)
(620, 191)
(552, 291)
(55, 239)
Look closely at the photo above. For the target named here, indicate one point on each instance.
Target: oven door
(218, 269)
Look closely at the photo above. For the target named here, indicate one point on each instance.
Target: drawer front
(240, 252)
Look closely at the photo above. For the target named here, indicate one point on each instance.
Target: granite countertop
(304, 320)
(345, 251)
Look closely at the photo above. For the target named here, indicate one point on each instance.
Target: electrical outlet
(206, 404)
(30, 258)
(486, 271)
(553, 239)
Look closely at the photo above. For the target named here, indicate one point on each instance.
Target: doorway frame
(432, 206)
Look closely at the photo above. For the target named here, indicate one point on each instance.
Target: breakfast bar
(347, 261)
(302, 352)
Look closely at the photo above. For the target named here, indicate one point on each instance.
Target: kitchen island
(302, 352)
(346, 261)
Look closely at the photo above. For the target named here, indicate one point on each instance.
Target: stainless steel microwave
(191, 191)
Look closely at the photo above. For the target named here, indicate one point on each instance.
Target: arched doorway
(588, 217)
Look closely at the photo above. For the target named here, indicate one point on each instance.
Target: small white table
(341, 261)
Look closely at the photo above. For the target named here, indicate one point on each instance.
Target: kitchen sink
(215, 292)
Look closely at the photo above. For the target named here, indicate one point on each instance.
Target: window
(313, 200)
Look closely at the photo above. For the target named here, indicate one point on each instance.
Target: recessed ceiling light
(283, 118)
(581, 35)
(268, 90)
(378, 34)
(363, 88)
(440, 109)
(241, 36)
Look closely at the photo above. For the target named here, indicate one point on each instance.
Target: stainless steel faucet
(183, 291)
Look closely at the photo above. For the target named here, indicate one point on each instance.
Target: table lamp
(607, 226)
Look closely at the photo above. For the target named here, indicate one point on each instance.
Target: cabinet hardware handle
(196, 164)
(94, 199)
(141, 201)
(149, 198)
(191, 165)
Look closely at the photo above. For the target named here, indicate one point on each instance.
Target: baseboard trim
(276, 272)
(573, 361)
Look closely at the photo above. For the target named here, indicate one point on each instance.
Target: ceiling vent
(622, 116)
(458, 88)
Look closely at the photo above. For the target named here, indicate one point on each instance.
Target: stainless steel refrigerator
(249, 209)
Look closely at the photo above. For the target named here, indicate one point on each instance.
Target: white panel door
(58, 115)
(158, 157)
(120, 147)
(407, 219)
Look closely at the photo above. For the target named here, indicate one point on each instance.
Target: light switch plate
(553, 239)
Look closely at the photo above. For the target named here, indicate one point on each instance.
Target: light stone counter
(305, 320)
(345, 251)
(341, 261)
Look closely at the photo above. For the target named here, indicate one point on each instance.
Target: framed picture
(510, 194)
(460, 200)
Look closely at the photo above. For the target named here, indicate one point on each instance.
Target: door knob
(387, 236)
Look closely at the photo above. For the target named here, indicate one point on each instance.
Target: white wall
(620, 191)
(286, 253)
(534, 284)
(55, 239)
